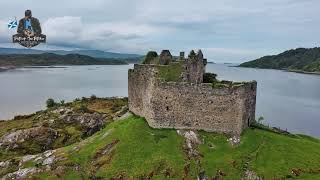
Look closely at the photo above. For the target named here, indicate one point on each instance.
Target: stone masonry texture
(190, 104)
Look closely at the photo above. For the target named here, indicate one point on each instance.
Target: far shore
(303, 72)
(286, 70)
(7, 68)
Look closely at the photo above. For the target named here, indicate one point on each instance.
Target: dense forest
(301, 59)
(50, 59)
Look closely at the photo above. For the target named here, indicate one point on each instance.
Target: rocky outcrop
(234, 141)
(38, 136)
(21, 173)
(251, 175)
(190, 147)
(43, 160)
(191, 142)
(90, 123)
(30, 144)
(41, 138)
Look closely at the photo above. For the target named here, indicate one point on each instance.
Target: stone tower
(181, 57)
(165, 57)
(194, 68)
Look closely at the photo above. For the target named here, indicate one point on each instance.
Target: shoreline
(4, 69)
(34, 67)
(285, 70)
(302, 72)
(7, 68)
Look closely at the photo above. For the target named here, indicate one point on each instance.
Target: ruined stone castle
(176, 92)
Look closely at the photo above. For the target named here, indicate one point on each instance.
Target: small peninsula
(302, 60)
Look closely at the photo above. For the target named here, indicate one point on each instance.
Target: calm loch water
(286, 100)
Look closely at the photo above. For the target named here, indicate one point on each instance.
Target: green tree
(192, 54)
(83, 109)
(151, 55)
(260, 119)
(50, 103)
(209, 77)
(93, 97)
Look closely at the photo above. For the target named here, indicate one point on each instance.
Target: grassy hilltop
(299, 60)
(110, 143)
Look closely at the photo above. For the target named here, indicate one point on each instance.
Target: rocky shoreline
(303, 72)
(3, 69)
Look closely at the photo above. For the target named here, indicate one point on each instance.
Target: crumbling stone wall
(190, 103)
(185, 105)
(249, 108)
(189, 106)
(141, 82)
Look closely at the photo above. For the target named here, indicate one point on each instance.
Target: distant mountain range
(305, 60)
(92, 53)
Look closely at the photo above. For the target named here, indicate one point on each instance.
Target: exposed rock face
(21, 173)
(118, 115)
(41, 136)
(234, 141)
(90, 122)
(5, 164)
(32, 143)
(191, 140)
(45, 159)
(250, 175)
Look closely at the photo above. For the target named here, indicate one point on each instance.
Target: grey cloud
(222, 27)
(72, 31)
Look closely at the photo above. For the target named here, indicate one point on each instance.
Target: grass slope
(142, 152)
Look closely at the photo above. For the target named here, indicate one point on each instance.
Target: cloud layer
(227, 31)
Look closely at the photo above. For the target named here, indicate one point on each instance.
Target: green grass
(142, 150)
(270, 155)
(218, 85)
(132, 149)
(171, 72)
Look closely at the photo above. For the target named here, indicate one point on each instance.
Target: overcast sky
(227, 31)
